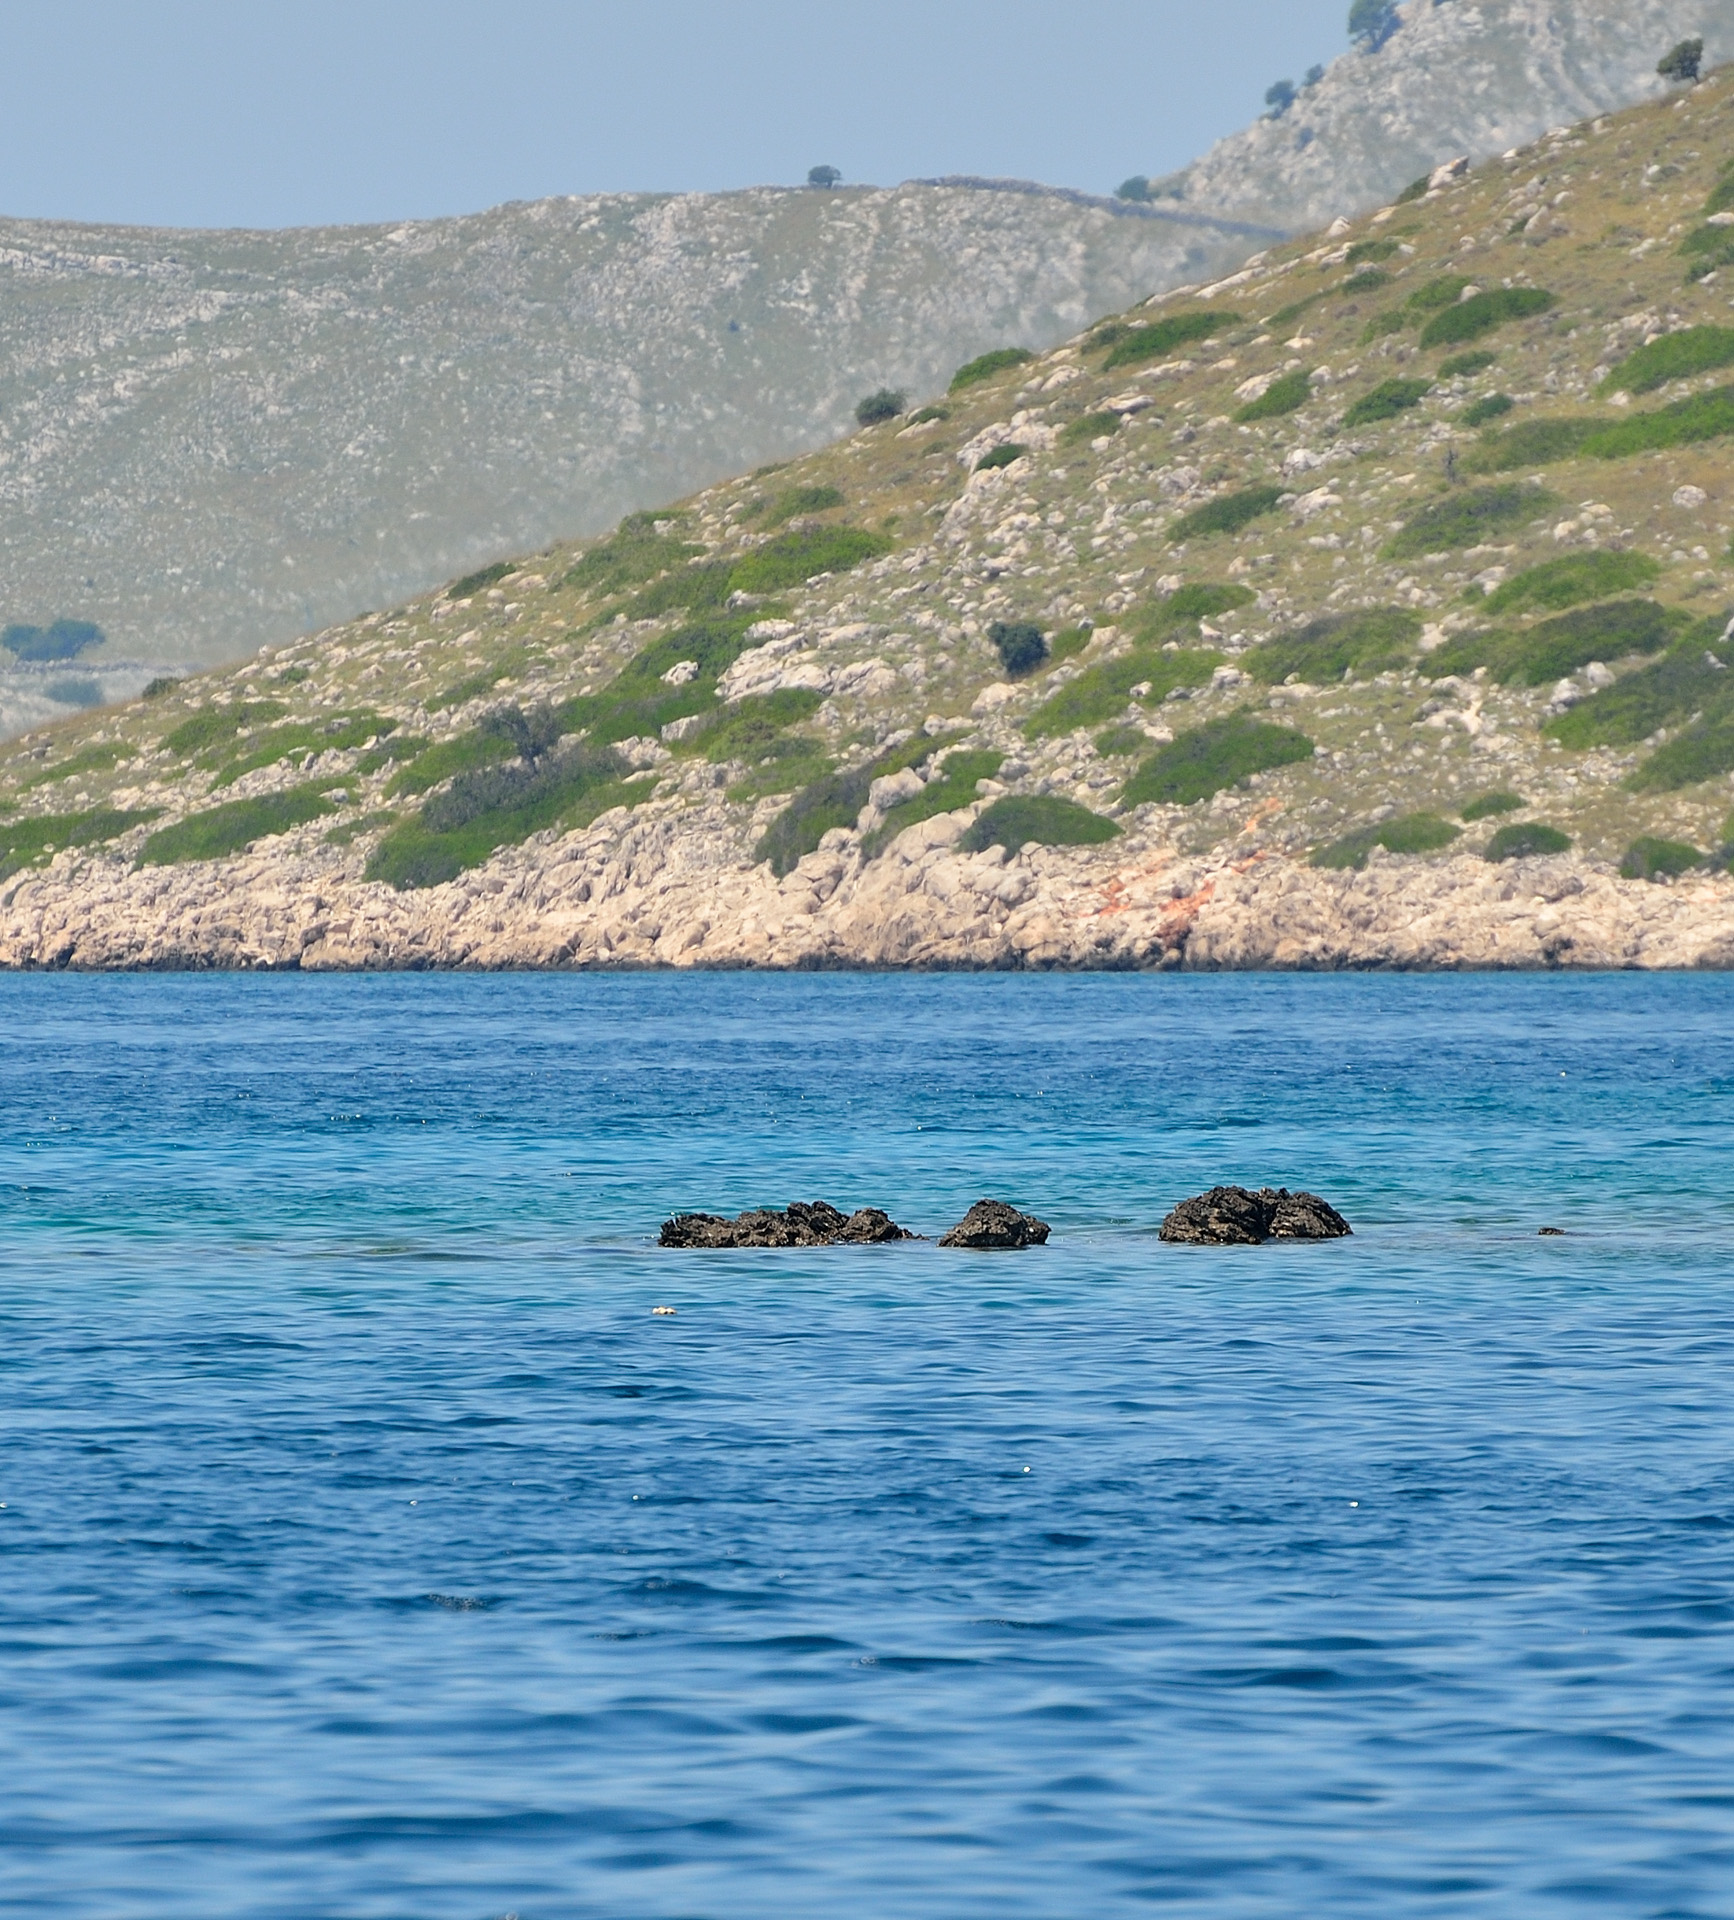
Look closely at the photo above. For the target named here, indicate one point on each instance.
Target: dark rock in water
(1554, 1232)
(806, 1223)
(992, 1224)
(1237, 1217)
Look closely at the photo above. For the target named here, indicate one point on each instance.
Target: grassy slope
(1082, 530)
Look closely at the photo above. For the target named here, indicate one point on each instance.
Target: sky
(309, 112)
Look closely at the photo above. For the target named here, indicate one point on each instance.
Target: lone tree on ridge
(1372, 22)
(823, 176)
(1682, 63)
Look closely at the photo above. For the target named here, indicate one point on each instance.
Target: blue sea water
(370, 1549)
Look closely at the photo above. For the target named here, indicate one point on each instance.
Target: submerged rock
(805, 1223)
(1238, 1217)
(991, 1224)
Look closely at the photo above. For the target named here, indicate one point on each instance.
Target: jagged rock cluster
(1238, 1217)
(989, 1226)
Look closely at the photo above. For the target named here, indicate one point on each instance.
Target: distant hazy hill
(213, 440)
(1458, 77)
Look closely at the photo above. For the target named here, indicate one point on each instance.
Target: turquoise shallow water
(369, 1549)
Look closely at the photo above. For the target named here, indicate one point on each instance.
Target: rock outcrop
(803, 1224)
(1239, 1217)
(992, 1226)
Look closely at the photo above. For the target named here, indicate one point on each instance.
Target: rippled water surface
(369, 1548)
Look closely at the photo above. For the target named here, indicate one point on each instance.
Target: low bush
(230, 828)
(1492, 407)
(922, 415)
(1708, 263)
(1201, 600)
(481, 579)
(22, 841)
(879, 407)
(1525, 839)
(1090, 426)
(92, 759)
(1409, 833)
(1469, 319)
(60, 640)
(215, 726)
(1533, 656)
(1467, 517)
(475, 748)
(1416, 189)
(1042, 819)
(835, 800)
(757, 727)
(505, 665)
(1287, 316)
(791, 559)
(1388, 399)
(163, 683)
(306, 738)
(1068, 642)
(640, 701)
(633, 553)
(1531, 443)
(1227, 513)
(1117, 742)
(1004, 455)
(986, 365)
(1648, 858)
(1704, 751)
(1102, 692)
(952, 787)
(1688, 422)
(1568, 582)
(1285, 395)
(1196, 764)
(1677, 687)
(1021, 647)
(794, 501)
(1368, 280)
(1392, 320)
(1464, 366)
(1373, 250)
(1722, 194)
(1366, 641)
(1488, 806)
(1161, 337)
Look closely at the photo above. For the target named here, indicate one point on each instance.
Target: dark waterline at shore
(369, 1548)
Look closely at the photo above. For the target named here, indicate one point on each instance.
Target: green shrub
(61, 640)
(1044, 819)
(506, 665)
(1464, 366)
(791, 559)
(633, 553)
(1003, 455)
(1287, 316)
(482, 578)
(1651, 859)
(1285, 395)
(163, 683)
(1069, 642)
(1416, 189)
(1467, 517)
(1202, 600)
(1161, 337)
(1119, 741)
(1374, 250)
(230, 828)
(1411, 833)
(92, 759)
(1535, 655)
(1709, 263)
(1021, 647)
(1681, 684)
(22, 841)
(1703, 752)
(800, 500)
(1196, 764)
(1393, 320)
(1682, 62)
(1487, 806)
(1366, 641)
(700, 588)
(879, 407)
(1438, 294)
(1368, 280)
(835, 800)
(472, 749)
(501, 805)
(922, 415)
(1090, 426)
(952, 787)
(756, 727)
(1388, 399)
(1567, 582)
(305, 737)
(1532, 443)
(1722, 194)
(1101, 692)
(793, 761)
(1688, 422)
(214, 726)
(1482, 312)
(393, 751)
(1525, 839)
(1491, 407)
(986, 365)
(1228, 513)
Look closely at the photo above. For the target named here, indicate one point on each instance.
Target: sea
(371, 1548)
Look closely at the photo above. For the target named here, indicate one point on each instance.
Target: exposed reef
(1239, 1217)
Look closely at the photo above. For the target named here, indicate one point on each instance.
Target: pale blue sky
(234, 113)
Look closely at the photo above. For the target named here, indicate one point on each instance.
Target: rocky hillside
(210, 440)
(1470, 77)
(1368, 606)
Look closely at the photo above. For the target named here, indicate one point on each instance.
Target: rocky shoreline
(668, 886)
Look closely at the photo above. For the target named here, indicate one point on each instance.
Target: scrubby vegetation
(1465, 366)
(1388, 399)
(1687, 681)
(1227, 513)
(91, 759)
(217, 726)
(1102, 692)
(1372, 250)
(1675, 356)
(1202, 600)
(1130, 346)
(480, 580)
(1366, 642)
(1525, 839)
(1020, 645)
(1467, 517)
(217, 832)
(879, 407)
(835, 800)
(1044, 820)
(1705, 751)
(1567, 582)
(1532, 443)
(305, 738)
(22, 841)
(794, 502)
(952, 786)
(985, 366)
(1408, 833)
(634, 553)
(1492, 406)
(1088, 427)
(1286, 394)
(1648, 858)
(1532, 656)
(1488, 806)
(1004, 455)
(1482, 312)
(786, 560)
(1196, 764)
